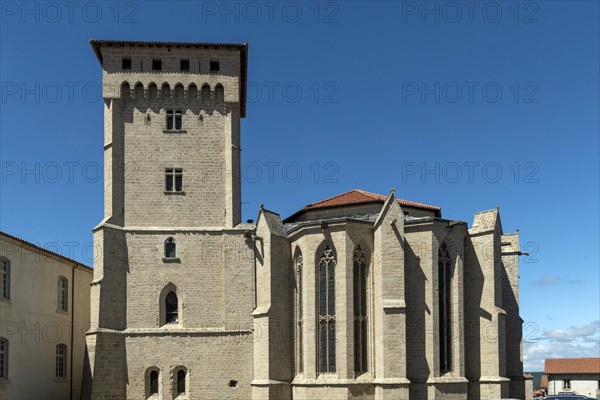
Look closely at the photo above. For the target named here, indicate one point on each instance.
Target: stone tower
(173, 290)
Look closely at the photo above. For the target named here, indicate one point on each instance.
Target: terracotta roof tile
(358, 196)
(572, 365)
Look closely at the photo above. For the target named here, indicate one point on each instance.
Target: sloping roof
(572, 365)
(43, 250)
(357, 197)
(242, 47)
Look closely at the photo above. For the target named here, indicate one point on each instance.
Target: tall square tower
(173, 295)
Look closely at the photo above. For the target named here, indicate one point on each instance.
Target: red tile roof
(572, 366)
(356, 197)
(544, 381)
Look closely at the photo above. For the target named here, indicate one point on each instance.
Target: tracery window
(360, 310)
(445, 310)
(299, 339)
(326, 296)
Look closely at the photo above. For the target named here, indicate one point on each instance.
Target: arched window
(3, 358)
(326, 296)
(153, 382)
(171, 308)
(61, 361)
(63, 293)
(219, 94)
(180, 382)
(4, 279)
(360, 310)
(298, 301)
(205, 93)
(444, 308)
(170, 248)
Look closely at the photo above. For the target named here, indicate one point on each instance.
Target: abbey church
(358, 296)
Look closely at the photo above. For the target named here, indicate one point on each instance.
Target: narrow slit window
(180, 382)
(61, 361)
(4, 279)
(63, 294)
(444, 308)
(3, 358)
(360, 310)
(326, 321)
(153, 382)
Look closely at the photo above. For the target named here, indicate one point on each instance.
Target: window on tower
(174, 180)
(156, 64)
(184, 65)
(174, 120)
(126, 63)
(214, 66)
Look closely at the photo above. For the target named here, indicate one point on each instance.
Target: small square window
(174, 120)
(174, 180)
(214, 66)
(156, 64)
(185, 65)
(126, 63)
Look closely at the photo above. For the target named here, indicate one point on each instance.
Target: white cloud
(550, 280)
(573, 342)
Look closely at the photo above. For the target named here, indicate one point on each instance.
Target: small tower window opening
(3, 358)
(174, 180)
(63, 294)
(360, 310)
(184, 65)
(61, 361)
(126, 63)
(444, 308)
(174, 120)
(170, 248)
(4, 279)
(171, 308)
(156, 64)
(153, 382)
(326, 295)
(214, 66)
(181, 382)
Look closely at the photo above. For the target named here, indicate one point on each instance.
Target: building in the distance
(356, 296)
(44, 314)
(573, 375)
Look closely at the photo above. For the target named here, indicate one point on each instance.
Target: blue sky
(463, 107)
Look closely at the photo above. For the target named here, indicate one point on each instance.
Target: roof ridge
(376, 196)
(27, 242)
(333, 197)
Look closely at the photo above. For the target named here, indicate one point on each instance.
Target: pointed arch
(170, 247)
(298, 308)
(445, 307)
(170, 305)
(326, 322)
(360, 271)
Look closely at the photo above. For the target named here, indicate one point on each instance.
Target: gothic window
(360, 310)
(61, 361)
(153, 382)
(4, 278)
(170, 248)
(171, 308)
(63, 293)
(174, 180)
(180, 382)
(326, 302)
(174, 120)
(299, 347)
(445, 310)
(3, 358)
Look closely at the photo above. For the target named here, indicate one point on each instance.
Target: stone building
(573, 375)
(356, 296)
(44, 314)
